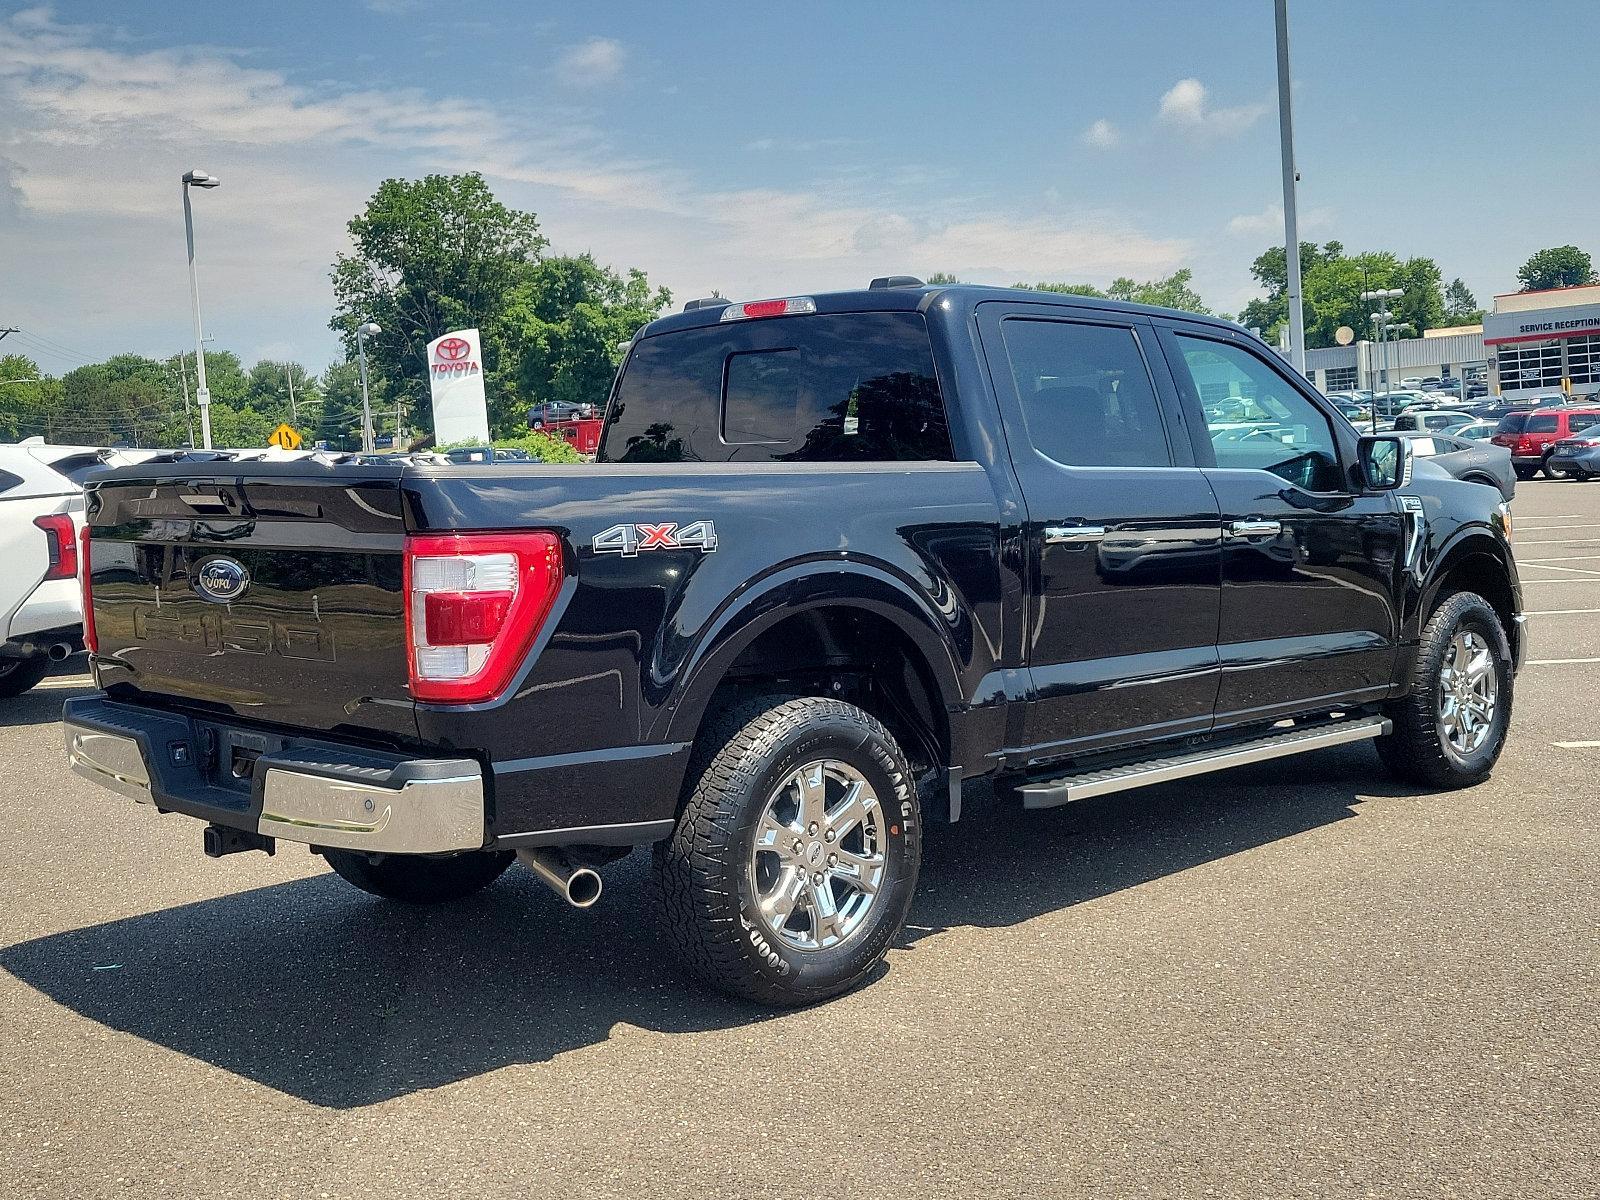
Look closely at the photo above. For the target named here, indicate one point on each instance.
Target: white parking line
(1548, 567)
(1557, 517)
(1556, 541)
(1561, 612)
(1576, 745)
(1556, 582)
(1563, 558)
(1557, 662)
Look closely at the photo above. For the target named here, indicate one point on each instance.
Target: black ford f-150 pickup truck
(843, 562)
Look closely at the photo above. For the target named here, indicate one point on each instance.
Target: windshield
(1512, 423)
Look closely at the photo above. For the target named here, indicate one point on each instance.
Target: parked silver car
(1475, 462)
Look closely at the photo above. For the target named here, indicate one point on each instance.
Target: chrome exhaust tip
(579, 886)
(60, 652)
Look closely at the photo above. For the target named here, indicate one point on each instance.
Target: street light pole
(202, 394)
(1291, 224)
(1381, 317)
(363, 332)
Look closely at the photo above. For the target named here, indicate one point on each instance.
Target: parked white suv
(41, 513)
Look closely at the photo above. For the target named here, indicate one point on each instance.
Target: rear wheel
(17, 675)
(1450, 730)
(1544, 466)
(1525, 473)
(416, 879)
(795, 858)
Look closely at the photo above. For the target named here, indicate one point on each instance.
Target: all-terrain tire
(418, 879)
(1418, 750)
(705, 883)
(18, 675)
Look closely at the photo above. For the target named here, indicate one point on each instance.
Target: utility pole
(294, 413)
(1291, 224)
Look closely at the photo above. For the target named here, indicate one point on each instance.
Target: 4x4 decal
(629, 540)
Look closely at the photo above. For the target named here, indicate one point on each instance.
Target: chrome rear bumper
(354, 799)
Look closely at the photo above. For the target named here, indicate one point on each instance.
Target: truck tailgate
(269, 592)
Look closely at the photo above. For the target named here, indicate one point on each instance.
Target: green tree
(26, 395)
(942, 277)
(268, 390)
(1172, 292)
(1460, 305)
(339, 420)
(1557, 267)
(430, 256)
(1331, 286)
(568, 326)
(1065, 289)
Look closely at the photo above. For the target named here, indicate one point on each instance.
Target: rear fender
(796, 589)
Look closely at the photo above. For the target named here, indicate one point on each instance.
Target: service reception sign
(455, 371)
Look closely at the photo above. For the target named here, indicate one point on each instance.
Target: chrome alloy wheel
(818, 861)
(1469, 689)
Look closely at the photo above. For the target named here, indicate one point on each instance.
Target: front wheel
(417, 879)
(1450, 730)
(793, 863)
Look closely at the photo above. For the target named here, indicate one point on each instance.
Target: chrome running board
(1050, 792)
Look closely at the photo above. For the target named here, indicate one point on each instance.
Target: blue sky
(762, 149)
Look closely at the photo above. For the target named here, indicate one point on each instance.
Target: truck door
(1310, 565)
(1122, 535)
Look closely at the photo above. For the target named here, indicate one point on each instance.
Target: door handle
(1255, 528)
(1073, 535)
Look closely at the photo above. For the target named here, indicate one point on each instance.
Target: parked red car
(1530, 436)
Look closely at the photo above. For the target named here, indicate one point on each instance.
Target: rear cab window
(839, 387)
(1543, 423)
(1512, 423)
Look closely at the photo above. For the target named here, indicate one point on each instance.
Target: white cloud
(1102, 135)
(592, 63)
(1269, 221)
(1187, 105)
(98, 130)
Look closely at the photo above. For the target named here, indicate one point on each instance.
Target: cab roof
(920, 298)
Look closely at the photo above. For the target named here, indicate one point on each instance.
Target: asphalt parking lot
(1297, 979)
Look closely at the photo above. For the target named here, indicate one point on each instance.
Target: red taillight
(63, 543)
(475, 603)
(91, 642)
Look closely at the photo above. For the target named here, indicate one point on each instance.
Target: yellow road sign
(285, 436)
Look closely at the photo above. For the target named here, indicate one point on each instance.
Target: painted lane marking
(1557, 662)
(1561, 612)
(1573, 570)
(1563, 558)
(1576, 745)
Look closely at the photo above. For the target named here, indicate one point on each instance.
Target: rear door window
(1086, 393)
(1543, 423)
(845, 387)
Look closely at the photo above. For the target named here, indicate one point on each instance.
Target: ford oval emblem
(221, 580)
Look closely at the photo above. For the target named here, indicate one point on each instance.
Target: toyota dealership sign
(455, 372)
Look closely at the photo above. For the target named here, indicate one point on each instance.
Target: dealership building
(1545, 342)
(1532, 342)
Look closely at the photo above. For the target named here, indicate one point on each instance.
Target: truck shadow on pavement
(323, 993)
(42, 705)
